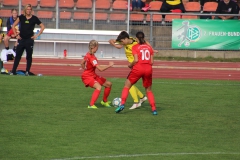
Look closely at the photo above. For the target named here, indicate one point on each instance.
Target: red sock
(125, 92)
(107, 91)
(151, 100)
(95, 95)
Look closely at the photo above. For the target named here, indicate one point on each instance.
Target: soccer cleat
(93, 107)
(154, 112)
(119, 109)
(142, 100)
(106, 104)
(135, 105)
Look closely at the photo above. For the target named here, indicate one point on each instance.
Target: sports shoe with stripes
(119, 109)
(106, 104)
(93, 107)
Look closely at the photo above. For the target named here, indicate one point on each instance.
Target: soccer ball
(116, 102)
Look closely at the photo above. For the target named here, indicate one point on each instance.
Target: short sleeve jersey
(90, 65)
(27, 26)
(128, 50)
(144, 53)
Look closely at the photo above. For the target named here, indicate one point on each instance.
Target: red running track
(162, 69)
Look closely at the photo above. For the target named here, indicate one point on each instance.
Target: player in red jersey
(141, 68)
(91, 79)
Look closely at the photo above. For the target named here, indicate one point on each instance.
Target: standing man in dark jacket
(26, 38)
(227, 7)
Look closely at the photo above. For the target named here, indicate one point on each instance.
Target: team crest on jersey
(94, 62)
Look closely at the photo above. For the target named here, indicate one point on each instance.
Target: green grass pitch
(46, 118)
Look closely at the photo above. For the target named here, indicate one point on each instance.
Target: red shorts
(143, 71)
(90, 81)
(10, 33)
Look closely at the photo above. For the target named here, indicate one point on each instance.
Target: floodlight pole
(94, 12)
(57, 14)
(128, 15)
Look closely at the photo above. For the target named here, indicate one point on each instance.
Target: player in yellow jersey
(124, 40)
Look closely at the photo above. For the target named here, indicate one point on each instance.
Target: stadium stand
(169, 18)
(103, 4)
(65, 15)
(117, 17)
(86, 4)
(34, 3)
(119, 5)
(210, 6)
(155, 5)
(66, 3)
(5, 13)
(136, 17)
(156, 18)
(10, 3)
(101, 16)
(45, 14)
(47, 3)
(192, 7)
(81, 16)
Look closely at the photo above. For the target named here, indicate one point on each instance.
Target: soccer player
(26, 37)
(123, 40)
(91, 79)
(141, 68)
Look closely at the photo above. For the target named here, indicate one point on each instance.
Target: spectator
(10, 33)
(169, 5)
(26, 37)
(227, 7)
(138, 4)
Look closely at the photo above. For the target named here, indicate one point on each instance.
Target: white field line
(153, 154)
(125, 66)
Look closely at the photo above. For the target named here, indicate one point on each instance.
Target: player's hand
(111, 63)
(34, 37)
(155, 51)
(18, 37)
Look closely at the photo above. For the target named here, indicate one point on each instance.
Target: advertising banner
(206, 34)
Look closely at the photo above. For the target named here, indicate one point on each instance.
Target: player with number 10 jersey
(143, 68)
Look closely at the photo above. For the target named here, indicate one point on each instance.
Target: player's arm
(83, 63)
(42, 27)
(103, 68)
(134, 61)
(114, 43)
(155, 51)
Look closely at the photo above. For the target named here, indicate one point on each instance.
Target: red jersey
(90, 65)
(144, 53)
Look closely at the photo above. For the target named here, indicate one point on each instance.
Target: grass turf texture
(47, 118)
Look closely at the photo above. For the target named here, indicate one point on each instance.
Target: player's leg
(147, 83)
(15, 46)
(142, 97)
(29, 50)
(106, 93)
(95, 94)
(151, 100)
(133, 93)
(6, 41)
(124, 95)
(19, 53)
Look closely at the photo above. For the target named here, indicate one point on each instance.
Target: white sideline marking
(207, 84)
(144, 155)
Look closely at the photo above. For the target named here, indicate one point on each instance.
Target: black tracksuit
(27, 43)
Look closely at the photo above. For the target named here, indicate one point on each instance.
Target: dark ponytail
(140, 37)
